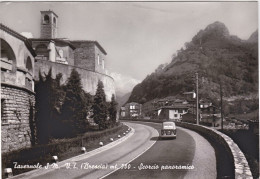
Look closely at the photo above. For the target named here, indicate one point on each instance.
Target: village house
(173, 112)
(131, 110)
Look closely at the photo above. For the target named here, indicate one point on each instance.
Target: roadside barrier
(231, 162)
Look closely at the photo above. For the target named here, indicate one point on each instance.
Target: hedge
(43, 153)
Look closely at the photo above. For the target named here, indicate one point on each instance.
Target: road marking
(131, 159)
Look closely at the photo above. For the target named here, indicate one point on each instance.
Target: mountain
(122, 98)
(217, 56)
(254, 37)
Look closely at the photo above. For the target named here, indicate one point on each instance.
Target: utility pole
(197, 96)
(221, 104)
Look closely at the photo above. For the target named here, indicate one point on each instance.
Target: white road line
(131, 159)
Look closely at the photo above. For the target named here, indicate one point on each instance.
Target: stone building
(17, 89)
(62, 55)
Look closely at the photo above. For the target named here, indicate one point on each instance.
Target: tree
(112, 110)
(74, 108)
(43, 108)
(100, 107)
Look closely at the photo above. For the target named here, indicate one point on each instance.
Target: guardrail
(231, 162)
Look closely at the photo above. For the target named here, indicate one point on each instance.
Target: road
(189, 148)
(142, 149)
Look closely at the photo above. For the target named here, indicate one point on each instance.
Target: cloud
(27, 34)
(124, 84)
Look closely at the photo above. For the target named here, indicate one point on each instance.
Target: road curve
(189, 148)
(114, 157)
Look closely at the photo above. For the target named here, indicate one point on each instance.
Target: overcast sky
(138, 36)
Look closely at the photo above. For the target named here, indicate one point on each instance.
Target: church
(62, 55)
(22, 60)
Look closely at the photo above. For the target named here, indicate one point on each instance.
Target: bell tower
(49, 24)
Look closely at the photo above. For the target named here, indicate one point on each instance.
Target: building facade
(173, 112)
(62, 55)
(131, 110)
(17, 90)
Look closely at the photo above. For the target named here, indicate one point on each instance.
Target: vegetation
(112, 110)
(100, 107)
(62, 110)
(74, 108)
(217, 57)
(63, 148)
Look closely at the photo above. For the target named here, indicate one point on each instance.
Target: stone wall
(84, 55)
(15, 117)
(102, 59)
(231, 162)
(89, 78)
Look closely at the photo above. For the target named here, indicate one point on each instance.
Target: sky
(138, 36)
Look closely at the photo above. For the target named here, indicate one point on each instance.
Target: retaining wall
(16, 112)
(231, 162)
(89, 78)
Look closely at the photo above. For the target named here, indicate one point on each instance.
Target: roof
(50, 11)
(90, 41)
(18, 36)
(174, 107)
(62, 40)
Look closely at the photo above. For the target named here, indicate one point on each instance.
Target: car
(168, 130)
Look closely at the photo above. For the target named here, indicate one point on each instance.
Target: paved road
(179, 151)
(144, 149)
(122, 153)
(189, 148)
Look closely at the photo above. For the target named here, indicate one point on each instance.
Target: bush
(42, 154)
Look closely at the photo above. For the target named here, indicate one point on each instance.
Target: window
(29, 64)
(175, 115)
(54, 20)
(46, 19)
(61, 53)
(98, 59)
(103, 63)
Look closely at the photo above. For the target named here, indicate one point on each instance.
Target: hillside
(122, 99)
(217, 56)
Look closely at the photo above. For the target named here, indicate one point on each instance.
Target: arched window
(54, 20)
(8, 60)
(46, 19)
(29, 65)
